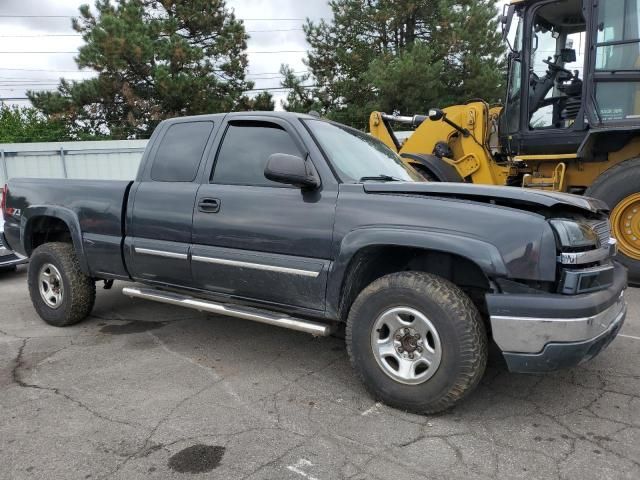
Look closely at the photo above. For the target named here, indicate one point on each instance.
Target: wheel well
(372, 263)
(44, 229)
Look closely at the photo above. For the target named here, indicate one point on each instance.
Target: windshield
(359, 157)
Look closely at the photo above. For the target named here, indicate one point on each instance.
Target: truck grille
(603, 229)
(590, 270)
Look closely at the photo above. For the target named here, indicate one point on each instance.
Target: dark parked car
(8, 260)
(294, 221)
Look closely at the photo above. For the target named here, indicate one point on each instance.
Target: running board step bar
(247, 313)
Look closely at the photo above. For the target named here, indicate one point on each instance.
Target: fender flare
(485, 255)
(68, 216)
(440, 169)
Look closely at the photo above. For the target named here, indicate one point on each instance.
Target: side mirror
(568, 55)
(506, 19)
(435, 114)
(292, 170)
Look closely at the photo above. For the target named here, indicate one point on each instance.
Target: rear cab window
(180, 152)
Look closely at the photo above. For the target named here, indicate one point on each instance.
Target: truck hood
(508, 196)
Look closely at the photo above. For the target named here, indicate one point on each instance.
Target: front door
(555, 50)
(255, 239)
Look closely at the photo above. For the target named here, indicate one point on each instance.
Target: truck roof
(220, 116)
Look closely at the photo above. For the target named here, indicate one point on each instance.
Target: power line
(42, 79)
(37, 16)
(48, 53)
(246, 91)
(48, 35)
(76, 51)
(45, 70)
(43, 35)
(74, 16)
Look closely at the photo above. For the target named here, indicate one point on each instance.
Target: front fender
(480, 252)
(68, 216)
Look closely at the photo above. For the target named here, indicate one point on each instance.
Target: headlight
(574, 234)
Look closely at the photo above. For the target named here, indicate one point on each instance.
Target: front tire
(417, 341)
(60, 292)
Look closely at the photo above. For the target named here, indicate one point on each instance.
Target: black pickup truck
(302, 223)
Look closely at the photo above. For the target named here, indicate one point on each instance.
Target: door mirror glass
(291, 170)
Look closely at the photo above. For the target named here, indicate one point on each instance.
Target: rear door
(160, 226)
(256, 239)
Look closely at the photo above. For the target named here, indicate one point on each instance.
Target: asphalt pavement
(144, 390)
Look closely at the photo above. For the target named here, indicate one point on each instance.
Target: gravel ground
(143, 390)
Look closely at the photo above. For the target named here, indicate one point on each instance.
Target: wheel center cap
(409, 343)
(408, 340)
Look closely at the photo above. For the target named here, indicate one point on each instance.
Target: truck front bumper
(541, 333)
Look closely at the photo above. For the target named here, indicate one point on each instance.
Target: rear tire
(60, 292)
(613, 187)
(457, 343)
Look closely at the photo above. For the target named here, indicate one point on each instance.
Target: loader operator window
(617, 79)
(556, 65)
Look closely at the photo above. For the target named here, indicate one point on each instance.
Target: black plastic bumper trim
(556, 305)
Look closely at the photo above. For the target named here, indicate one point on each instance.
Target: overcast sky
(34, 33)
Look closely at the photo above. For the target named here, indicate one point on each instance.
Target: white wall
(105, 160)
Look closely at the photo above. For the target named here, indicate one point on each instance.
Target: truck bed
(93, 209)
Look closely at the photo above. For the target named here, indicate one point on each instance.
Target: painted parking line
(629, 336)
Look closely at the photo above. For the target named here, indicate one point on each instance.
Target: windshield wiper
(380, 178)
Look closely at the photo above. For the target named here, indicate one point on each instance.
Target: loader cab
(573, 65)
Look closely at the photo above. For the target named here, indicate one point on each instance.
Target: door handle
(209, 205)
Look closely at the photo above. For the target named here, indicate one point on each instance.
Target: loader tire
(417, 341)
(619, 188)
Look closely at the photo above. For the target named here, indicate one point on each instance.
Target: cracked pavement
(119, 394)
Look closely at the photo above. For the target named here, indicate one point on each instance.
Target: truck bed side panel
(97, 206)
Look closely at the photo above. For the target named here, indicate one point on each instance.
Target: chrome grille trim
(603, 230)
(590, 256)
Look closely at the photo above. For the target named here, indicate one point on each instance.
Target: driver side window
(556, 66)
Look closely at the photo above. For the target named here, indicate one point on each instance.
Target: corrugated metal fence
(106, 160)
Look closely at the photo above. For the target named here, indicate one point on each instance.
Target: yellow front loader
(570, 120)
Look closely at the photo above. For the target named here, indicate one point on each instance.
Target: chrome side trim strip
(590, 256)
(262, 316)
(531, 334)
(255, 266)
(161, 253)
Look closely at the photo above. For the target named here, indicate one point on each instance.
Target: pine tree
(402, 55)
(300, 98)
(261, 102)
(155, 59)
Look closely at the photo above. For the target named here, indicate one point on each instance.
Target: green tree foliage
(300, 97)
(25, 124)
(405, 55)
(261, 102)
(155, 59)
